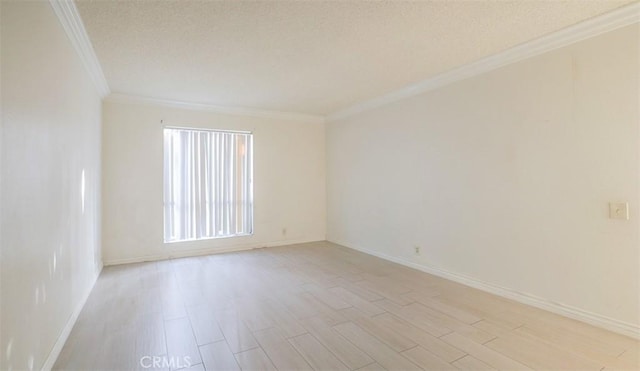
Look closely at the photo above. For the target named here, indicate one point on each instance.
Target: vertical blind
(208, 190)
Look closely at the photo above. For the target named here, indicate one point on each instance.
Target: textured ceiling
(306, 57)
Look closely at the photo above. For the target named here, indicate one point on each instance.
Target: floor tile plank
(205, 326)
(421, 337)
(254, 360)
(283, 355)
(471, 363)
(394, 339)
(218, 356)
(181, 342)
(238, 336)
(426, 359)
(344, 350)
(381, 353)
(325, 306)
(319, 357)
(487, 355)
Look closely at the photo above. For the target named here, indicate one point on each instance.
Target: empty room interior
(320, 185)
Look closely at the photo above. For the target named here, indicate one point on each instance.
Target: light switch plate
(619, 210)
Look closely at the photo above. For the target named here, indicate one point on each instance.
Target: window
(208, 188)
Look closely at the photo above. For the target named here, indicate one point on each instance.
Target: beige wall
(50, 135)
(505, 178)
(289, 181)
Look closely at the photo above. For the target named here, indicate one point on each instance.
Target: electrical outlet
(417, 250)
(619, 210)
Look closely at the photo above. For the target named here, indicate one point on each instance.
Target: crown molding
(69, 17)
(615, 19)
(239, 111)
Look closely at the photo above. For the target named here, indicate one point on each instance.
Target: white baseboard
(66, 331)
(208, 251)
(621, 327)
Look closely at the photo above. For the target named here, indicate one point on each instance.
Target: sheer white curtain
(208, 190)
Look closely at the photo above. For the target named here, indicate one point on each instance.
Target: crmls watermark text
(165, 362)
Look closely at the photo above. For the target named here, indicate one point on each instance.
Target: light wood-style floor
(323, 307)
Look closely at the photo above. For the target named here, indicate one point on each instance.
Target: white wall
(289, 181)
(505, 178)
(50, 250)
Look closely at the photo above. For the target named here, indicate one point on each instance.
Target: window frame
(250, 183)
